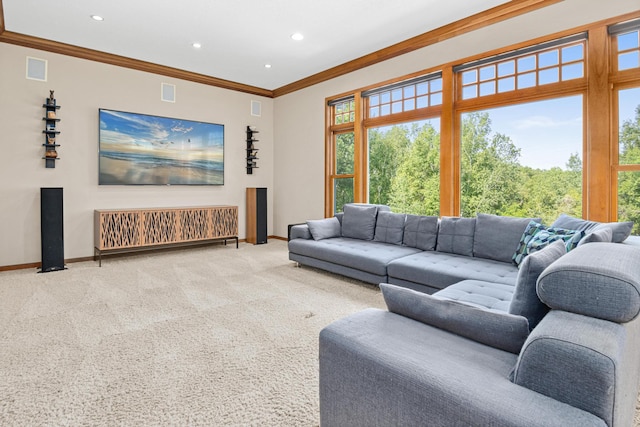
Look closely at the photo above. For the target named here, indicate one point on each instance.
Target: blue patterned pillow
(537, 236)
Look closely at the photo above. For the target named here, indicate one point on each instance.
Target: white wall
(81, 88)
(299, 116)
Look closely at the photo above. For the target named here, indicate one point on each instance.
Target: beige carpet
(205, 336)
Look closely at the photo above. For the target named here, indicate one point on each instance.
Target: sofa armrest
(299, 231)
(588, 363)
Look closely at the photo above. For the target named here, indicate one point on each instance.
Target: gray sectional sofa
(491, 320)
(430, 361)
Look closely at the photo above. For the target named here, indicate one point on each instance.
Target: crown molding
(491, 16)
(122, 61)
(474, 22)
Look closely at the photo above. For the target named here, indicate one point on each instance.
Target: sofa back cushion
(494, 328)
(525, 301)
(496, 237)
(456, 235)
(603, 235)
(599, 280)
(620, 230)
(421, 232)
(389, 227)
(359, 222)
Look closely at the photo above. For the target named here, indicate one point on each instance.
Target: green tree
(387, 150)
(629, 181)
(416, 186)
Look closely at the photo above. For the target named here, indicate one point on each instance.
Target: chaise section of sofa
(580, 366)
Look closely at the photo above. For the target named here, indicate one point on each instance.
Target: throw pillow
(496, 237)
(324, 228)
(537, 236)
(525, 301)
(359, 222)
(621, 230)
(494, 328)
(421, 232)
(604, 235)
(456, 235)
(389, 228)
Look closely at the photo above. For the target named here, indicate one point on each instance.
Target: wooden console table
(125, 230)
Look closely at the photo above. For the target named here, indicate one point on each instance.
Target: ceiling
(238, 37)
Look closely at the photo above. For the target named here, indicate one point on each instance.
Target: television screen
(148, 150)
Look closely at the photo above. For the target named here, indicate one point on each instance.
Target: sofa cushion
(456, 235)
(494, 328)
(621, 230)
(439, 269)
(490, 295)
(525, 301)
(421, 232)
(603, 235)
(364, 255)
(496, 237)
(359, 222)
(537, 236)
(389, 227)
(324, 228)
(599, 280)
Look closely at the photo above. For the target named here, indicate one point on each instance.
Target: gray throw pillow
(324, 228)
(421, 232)
(496, 237)
(359, 222)
(389, 228)
(525, 301)
(603, 235)
(456, 235)
(494, 328)
(621, 230)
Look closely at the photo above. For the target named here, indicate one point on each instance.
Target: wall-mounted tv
(137, 149)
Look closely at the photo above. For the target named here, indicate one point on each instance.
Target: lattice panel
(224, 222)
(160, 227)
(194, 224)
(120, 230)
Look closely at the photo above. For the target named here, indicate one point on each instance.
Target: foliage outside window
(343, 181)
(404, 167)
(530, 166)
(629, 157)
(344, 112)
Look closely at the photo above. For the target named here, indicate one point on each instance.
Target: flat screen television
(138, 149)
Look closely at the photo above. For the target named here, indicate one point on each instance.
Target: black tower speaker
(261, 215)
(51, 229)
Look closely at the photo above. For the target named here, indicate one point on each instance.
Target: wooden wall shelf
(125, 230)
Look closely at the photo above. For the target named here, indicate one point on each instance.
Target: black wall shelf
(50, 133)
(252, 151)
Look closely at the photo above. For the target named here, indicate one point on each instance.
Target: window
(415, 94)
(343, 112)
(404, 166)
(523, 160)
(554, 62)
(343, 178)
(628, 175)
(626, 43)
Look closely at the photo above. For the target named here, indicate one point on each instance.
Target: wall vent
(36, 69)
(256, 108)
(168, 92)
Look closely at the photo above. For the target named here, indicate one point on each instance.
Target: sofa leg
(298, 265)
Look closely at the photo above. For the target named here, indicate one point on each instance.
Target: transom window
(343, 112)
(626, 38)
(515, 71)
(415, 94)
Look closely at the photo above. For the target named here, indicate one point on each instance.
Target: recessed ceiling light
(297, 36)
(197, 45)
(267, 65)
(97, 18)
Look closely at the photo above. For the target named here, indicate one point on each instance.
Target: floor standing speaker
(51, 229)
(257, 215)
